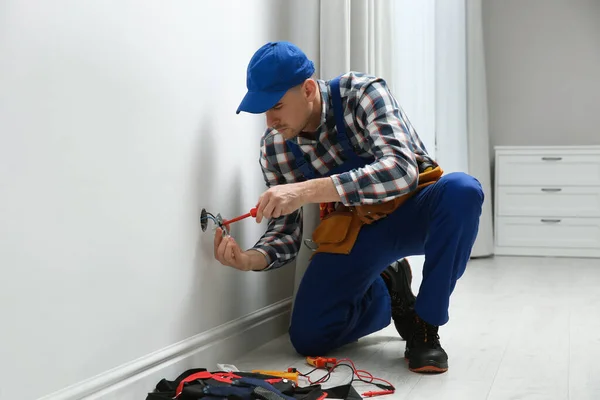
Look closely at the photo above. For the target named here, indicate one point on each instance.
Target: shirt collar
(324, 103)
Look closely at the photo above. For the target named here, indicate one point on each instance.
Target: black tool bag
(195, 384)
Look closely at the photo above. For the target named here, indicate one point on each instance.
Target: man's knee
(463, 192)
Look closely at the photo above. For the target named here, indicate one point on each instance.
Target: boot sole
(431, 366)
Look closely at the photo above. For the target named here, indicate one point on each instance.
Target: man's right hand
(229, 253)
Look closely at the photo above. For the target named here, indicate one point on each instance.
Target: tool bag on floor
(199, 383)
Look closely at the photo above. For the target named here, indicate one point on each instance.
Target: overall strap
(338, 112)
(301, 163)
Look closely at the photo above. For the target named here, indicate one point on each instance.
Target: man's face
(292, 113)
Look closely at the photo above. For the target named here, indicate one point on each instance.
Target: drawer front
(554, 201)
(552, 169)
(572, 233)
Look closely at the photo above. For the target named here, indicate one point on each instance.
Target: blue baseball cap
(274, 69)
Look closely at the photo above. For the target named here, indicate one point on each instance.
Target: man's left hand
(280, 200)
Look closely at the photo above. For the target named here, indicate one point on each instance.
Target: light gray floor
(520, 328)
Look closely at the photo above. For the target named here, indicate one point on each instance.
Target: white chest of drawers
(547, 201)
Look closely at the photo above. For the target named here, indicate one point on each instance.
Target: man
(348, 142)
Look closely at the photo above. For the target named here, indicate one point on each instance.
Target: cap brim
(259, 102)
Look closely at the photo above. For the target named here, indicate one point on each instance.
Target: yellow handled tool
(292, 376)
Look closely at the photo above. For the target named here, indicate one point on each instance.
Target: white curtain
(477, 124)
(461, 126)
(355, 35)
(451, 86)
(413, 65)
(461, 103)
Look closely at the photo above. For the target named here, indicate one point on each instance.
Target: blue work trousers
(342, 298)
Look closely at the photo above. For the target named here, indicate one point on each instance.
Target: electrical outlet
(203, 220)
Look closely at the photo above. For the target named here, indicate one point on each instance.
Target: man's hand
(285, 199)
(280, 200)
(228, 253)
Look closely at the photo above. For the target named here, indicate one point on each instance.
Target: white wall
(543, 58)
(117, 125)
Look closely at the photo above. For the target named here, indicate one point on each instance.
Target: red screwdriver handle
(252, 213)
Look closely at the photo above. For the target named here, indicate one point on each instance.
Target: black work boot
(398, 278)
(423, 349)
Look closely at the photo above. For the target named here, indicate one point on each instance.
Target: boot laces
(426, 334)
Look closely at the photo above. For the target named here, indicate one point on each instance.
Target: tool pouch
(338, 230)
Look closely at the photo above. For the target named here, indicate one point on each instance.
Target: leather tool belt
(339, 229)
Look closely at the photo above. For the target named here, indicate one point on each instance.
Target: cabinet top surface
(552, 148)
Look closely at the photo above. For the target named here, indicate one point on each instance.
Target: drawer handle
(551, 189)
(551, 158)
(555, 221)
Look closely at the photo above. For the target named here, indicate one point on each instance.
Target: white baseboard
(223, 344)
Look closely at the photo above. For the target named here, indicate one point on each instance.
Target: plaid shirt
(377, 127)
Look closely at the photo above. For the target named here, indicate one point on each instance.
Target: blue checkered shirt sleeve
(281, 242)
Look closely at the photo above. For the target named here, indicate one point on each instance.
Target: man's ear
(309, 89)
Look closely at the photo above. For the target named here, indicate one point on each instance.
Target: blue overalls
(342, 297)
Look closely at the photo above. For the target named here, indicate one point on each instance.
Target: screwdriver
(291, 375)
(252, 213)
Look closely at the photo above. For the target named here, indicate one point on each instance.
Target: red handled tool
(252, 213)
(378, 393)
(321, 362)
